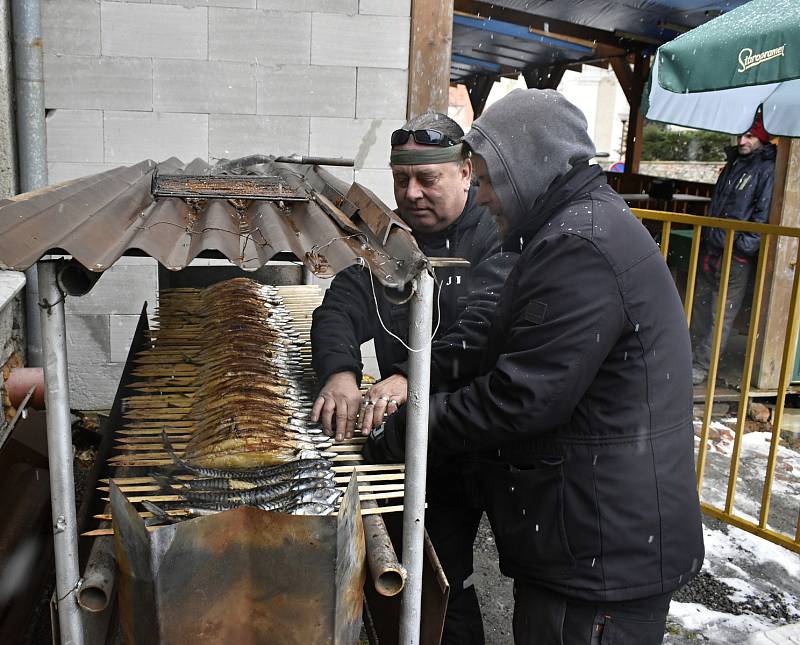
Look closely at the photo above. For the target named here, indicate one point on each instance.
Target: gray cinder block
(381, 93)
(82, 82)
(156, 31)
(204, 86)
(122, 331)
(243, 4)
(88, 339)
(385, 7)
(307, 90)
(131, 137)
(363, 41)
(122, 289)
(232, 136)
(92, 387)
(257, 36)
(323, 6)
(366, 140)
(71, 27)
(75, 136)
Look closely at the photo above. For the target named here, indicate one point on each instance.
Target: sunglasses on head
(423, 137)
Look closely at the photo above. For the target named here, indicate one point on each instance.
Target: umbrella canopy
(716, 76)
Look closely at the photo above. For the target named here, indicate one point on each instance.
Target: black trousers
(544, 617)
(451, 519)
(704, 307)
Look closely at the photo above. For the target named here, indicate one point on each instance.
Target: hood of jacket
(528, 140)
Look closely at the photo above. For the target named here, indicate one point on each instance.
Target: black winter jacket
(744, 192)
(584, 409)
(347, 316)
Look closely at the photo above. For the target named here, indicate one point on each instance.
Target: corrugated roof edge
(98, 218)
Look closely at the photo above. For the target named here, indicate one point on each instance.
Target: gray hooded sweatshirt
(547, 140)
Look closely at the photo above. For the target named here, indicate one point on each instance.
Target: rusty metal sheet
(99, 218)
(242, 576)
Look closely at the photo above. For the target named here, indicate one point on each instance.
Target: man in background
(744, 192)
(432, 185)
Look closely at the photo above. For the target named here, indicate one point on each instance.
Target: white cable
(378, 309)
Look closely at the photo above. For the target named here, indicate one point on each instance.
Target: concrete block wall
(100, 327)
(129, 80)
(132, 80)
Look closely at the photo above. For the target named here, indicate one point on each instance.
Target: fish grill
(219, 409)
(223, 383)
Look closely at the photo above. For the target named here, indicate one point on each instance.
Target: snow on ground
(704, 621)
(747, 584)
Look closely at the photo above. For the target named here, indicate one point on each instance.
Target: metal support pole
(419, 381)
(26, 27)
(59, 451)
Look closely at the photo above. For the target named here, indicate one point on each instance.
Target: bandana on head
(427, 155)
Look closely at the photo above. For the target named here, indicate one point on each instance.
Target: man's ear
(466, 173)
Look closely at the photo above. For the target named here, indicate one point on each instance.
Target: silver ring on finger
(369, 402)
(393, 402)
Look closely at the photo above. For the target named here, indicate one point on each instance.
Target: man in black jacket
(583, 411)
(744, 192)
(432, 174)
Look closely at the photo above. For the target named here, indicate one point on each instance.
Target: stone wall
(132, 80)
(703, 171)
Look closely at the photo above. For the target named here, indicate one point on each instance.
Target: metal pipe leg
(59, 451)
(419, 378)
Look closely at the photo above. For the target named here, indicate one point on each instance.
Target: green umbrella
(716, 76)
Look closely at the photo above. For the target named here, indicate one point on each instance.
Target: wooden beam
(624, 75)
(784, 210)
(478, 89)
(633, 144)
(429, 56)
(536, 24)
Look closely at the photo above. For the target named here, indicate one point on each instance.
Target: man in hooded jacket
(744, 192)
(583, 412)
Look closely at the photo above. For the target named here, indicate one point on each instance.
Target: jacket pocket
(525, 505)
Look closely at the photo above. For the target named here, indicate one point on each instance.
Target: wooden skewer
(362, 477)
(150, 488)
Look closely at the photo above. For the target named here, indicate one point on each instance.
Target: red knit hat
(757, 129)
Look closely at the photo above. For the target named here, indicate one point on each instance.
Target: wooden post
(429, 56)
(478, 90)
(633, 146)
(784, 210)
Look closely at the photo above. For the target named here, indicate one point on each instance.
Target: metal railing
(769, 234)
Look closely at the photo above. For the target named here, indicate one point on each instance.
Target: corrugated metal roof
(97, 219)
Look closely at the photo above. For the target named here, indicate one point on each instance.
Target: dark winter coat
(584, 411)
(744, 192)
(347, 316)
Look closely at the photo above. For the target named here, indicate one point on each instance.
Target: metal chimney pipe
(26, 21)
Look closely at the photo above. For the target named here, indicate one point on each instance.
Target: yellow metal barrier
(768, 233)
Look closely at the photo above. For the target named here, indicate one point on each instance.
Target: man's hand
(383, 397)
(338, 402)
